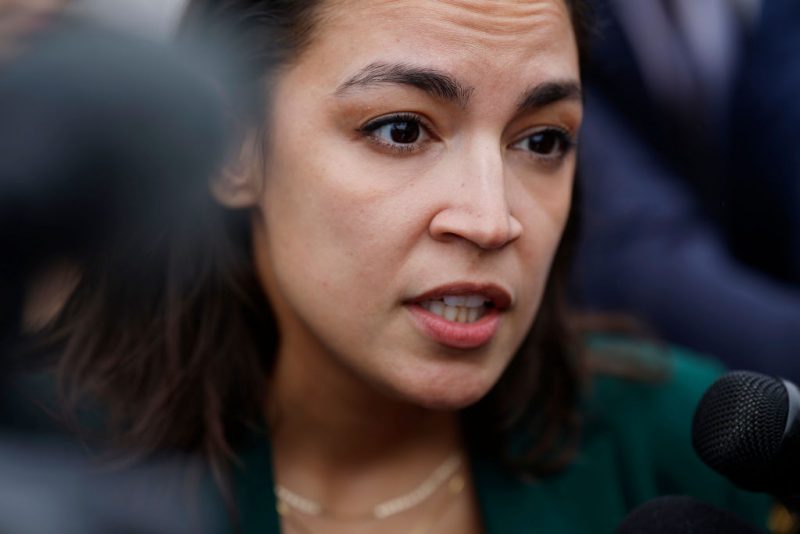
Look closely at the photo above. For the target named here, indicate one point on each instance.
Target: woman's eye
(400, 132)
(548, 144)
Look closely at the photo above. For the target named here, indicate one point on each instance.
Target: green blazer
(636, 446)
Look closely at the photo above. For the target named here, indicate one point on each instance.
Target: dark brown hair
(172, 335)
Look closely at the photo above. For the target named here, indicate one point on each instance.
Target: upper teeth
(469, 301)
(461, 308)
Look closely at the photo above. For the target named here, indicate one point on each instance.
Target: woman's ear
(239, 185)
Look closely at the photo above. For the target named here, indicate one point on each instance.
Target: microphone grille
(738, 427)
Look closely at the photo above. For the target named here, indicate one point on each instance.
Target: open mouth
(459, 308)
(461, 315)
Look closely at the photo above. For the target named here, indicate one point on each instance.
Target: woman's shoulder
(643, 383)
(642, 396)
(643, 411)
(635, 446)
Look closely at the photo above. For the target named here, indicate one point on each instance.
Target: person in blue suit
(690, 189)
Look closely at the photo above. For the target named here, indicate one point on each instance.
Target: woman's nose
(477, 208)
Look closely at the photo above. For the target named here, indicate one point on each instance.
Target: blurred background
(691, 175)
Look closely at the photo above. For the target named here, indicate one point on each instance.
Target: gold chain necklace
(289, 500)
(424, 526)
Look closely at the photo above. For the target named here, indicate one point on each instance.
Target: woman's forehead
(504, 39)
(498, 19)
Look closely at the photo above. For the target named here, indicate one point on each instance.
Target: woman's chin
(448, 401)
(443, 391)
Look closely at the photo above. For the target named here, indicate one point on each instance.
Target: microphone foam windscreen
(682, 515)
(738, 427)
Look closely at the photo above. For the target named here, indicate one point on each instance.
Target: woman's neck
(327, 411)
(332, 430)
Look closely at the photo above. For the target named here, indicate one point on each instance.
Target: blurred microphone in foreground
(682, 515)
(104, 138)
(107, 143)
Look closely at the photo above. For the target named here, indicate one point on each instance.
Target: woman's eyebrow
(434, 82)
(445, 87)
(547, 93)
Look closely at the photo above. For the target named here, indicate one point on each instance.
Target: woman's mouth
(465, 316)
(458, 308)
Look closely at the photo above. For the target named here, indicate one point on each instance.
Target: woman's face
(418, 178)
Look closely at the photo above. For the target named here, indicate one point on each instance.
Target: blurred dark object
(106, 142)
(47, 488)
(690, 180)
(102, 136)
(682, 515)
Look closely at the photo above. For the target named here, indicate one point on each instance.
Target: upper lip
(499, 297)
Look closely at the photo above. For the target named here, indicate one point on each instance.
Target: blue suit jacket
(684, 228)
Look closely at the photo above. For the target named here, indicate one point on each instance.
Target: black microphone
(746, 428)
(682, 515)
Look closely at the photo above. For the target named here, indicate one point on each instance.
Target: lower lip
(454, 334)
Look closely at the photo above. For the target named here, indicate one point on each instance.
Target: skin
(348, 228)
